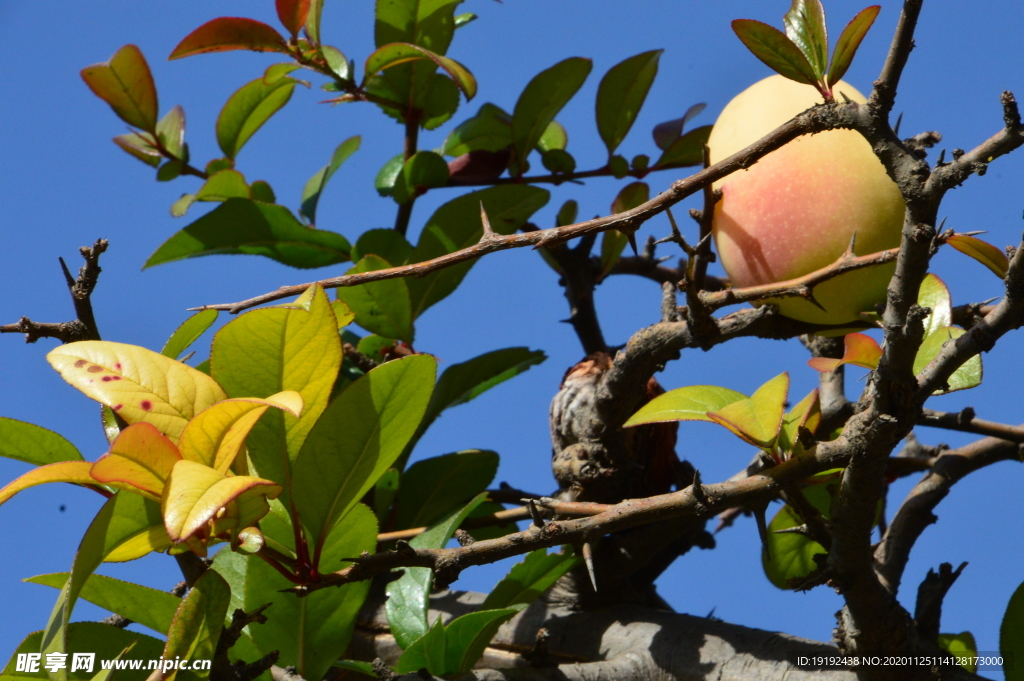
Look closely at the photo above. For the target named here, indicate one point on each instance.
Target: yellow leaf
(63, 471)
(757, 420)
(153, 538)
(140, 459)
(216, 435)
(138, 384)
(806, 414)
(195, 493)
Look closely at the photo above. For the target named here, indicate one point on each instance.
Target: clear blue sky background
(65, 184)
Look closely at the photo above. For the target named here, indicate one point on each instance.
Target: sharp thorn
(588, 558)
(632, 243)
(485, 221)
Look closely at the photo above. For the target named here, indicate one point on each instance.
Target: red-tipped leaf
(849, 41)
(775, 49)
(126, 84)
(230, 33)
(293, 14)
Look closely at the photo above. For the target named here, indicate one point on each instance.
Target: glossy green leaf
(424, 170)
(149, 607)
(384, 183)
(791, 556)
(394, 54)
(554, 137)
(456, 225)
(188, 333)
(691, 403)
(757, 420)
(336, 60)
(427, 651)
(181, 206)
(466, 637)
(613, 242)
(408, 595)
(141, 146)
(34, 444)
(489, 130)
(384, 492)
(230, 33)
(542, 99)
(558, 161)
(381, 307)
(385, 243)
(775, 49)
(859, 349)
(688, 150)
(120, 518)
(293, 14)
(666, 133)
(529, 578)
(243, 226)
(621, 94)
(248, 109)
(314, 631)
(934, 295)
(961, 645)
(170, 130)
(982, 251)
(967, 376)
(464, 381)
(1011, 635)
(849, 41)
(429, 23)
(463, 19)
(361, 434)
(435, 486)
(316, 8)
(262, 192)
(223, 185)
(805, 26)
(197, 624)
(263, 352)
(126, 84)
(103, 640)
(315, 186)
(441, 102)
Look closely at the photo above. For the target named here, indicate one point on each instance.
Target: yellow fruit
(795, 210)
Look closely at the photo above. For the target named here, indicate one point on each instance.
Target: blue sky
(65, 184)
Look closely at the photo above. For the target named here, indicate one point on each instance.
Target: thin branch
(579, 278)
(965, 422)
(884, 94)
(931, 593)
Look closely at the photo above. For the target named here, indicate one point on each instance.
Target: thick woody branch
(931, 593)
(916, 512)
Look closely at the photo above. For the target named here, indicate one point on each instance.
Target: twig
(931, 593)
(965, 422)
(579, 278)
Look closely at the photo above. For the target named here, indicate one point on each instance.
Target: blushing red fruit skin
(795, 210)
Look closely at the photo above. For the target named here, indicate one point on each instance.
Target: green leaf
(385, 243)
(621, 94)
(223, 185)
(463, 19)
(381, 307)
(805, 26)
(775, 49)
(614, 241)
(982, 251)
(554, 137)
(314, 186)
(757, 420)
(666, 133)
(466, 637)
(121, 517)
(188, 333)
(967, 376)
(433, 487)
(463, 382)
(316, 8)
(34, 444)
(849, 41)
(691, 403)
(104, 641)
(148, 607)
(408, 595)
(262, 192)
(384, 492)
(456, 225)
(197, 624)
(248, 109)
(441, 102)
(243, 226)
(230, 33)
(426, 652)
(141, 146)
(688, 150)
(489, 130)
(388, 174)
(961, 645)
(126, 84)
(397, 53)
(424, 170)
(1011, 635)
(171, 132)
(859, 349)
(429, 23)
(529, 578)
(790, 555)
(360, 435)
(263, 352)
(558, 161)
(542, 99)
(567, 213)
(934, 295)
(336, 61)
(314, 631)
(181, 206)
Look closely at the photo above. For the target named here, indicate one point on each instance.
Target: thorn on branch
(588, 558)
(538, 519)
